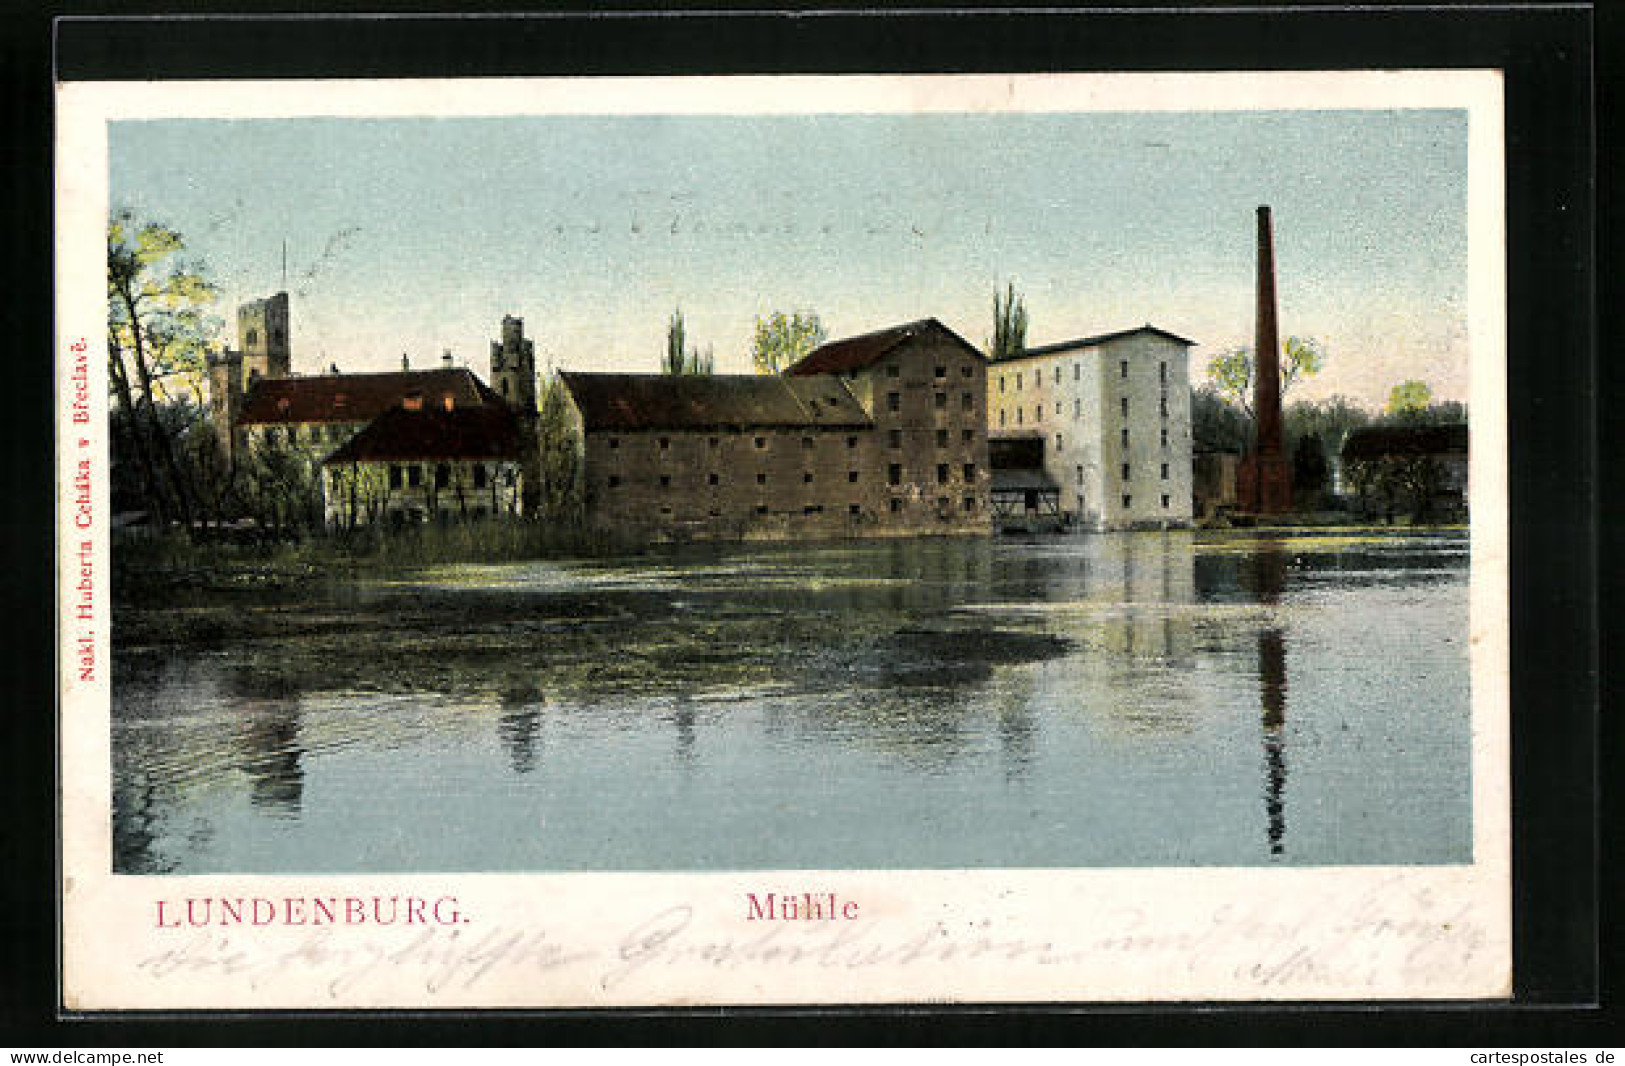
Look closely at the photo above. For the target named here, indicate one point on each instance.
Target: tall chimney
(1270, 480)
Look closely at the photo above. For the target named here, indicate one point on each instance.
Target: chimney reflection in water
(1270, 573)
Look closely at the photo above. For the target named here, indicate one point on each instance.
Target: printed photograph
(553, 493)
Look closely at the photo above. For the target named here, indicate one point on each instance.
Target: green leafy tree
(1309, 467)
(780, 340)
(679, 358)
(1216, 423)
(1232, 372)
(158, 329)
(560, 447)
(1009, 325)
(1409, 400)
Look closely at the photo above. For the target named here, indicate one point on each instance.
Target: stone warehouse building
(876, 435)
(1112, 414)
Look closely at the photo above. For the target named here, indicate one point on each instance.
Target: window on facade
(942, 473)
(970, 503)
(1165, 436)
(1165, 501)
(761, 479)
(665, 481)
(896, 504)
(943, 503)
(1125, 472)
(614, 443)
(761, 442)
(394, 475)
(1123, 403)
(1001, 382)
(761, 508)
(1123, 368)
(666, 511)
(942, 438)
(1057, 375)
(967, 371)
(894, 401)
(1020, 413)
(806, 479)
(1018, 382)
(806, 442)
(813, 508)
(894, 438)
(967, 402)
(1165, 471)
(1128, 501)
(853, 509)
(1038, 413)
(1077, 371)
(253, 336)
(942, 401)
(665, 442)
(939, 372)
(1001, 416)
(1162, 372)
(967, 435)
(970, 473)
(714, 512)
(442, 475)
(1165, 407)
(851, 476)
(414, 475)
(894, 474)
(479, 475)
(1080, 475)
(1124, 436)
(1060, 443)
(714, 442)
(1077, 409)
(851, 442)
(712, 478)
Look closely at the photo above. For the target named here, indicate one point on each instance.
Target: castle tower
(1266, 482)
(513, 366)
(513, 376)
(262, 335)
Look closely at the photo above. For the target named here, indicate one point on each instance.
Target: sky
(417, 235)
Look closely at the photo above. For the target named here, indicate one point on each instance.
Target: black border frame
(1546, 51)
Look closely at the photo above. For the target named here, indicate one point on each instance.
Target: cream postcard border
(1164, 934)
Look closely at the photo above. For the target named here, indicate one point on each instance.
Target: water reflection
(1269, 566)
(1070, 700)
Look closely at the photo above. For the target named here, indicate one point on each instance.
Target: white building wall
(1075, 401)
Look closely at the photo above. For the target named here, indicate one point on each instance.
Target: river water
(1164, 699)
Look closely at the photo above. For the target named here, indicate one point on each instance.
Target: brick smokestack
(1267, 486)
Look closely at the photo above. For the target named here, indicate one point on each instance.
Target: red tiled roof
(1099, 338)
(701, 401)
(358, 397)
(854, 353)
(486, 432)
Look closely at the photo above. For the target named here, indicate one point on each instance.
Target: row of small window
(1077, 410)
(1128, 501)
(312, 434)
(1077, 374)
(894, 439)
(940, 371)
(1128, 473)
(411, 475)
(898, 505)
(967, 401)
(894, 476)
(1060, 440)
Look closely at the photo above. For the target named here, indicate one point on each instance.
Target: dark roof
(1011, 452)
(1099, 338)
(487, 432)
(1377, 442)
(1023, 479)
(706, 401)
(854, 353)
(358, 397)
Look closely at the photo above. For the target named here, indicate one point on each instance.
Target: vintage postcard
(782, 540)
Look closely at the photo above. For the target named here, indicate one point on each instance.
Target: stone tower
(513, 366)
(262, 336)
(513, 376)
